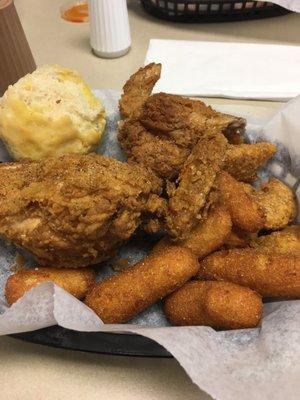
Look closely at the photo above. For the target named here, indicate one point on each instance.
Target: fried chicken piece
(222, 305)
(161, 130)
(271, 275)
(279, 203)
(246, 213)
(74, 210)
(207, 236)
(285, 241)
(195, 182)
(76, 281)
(138, 88)
(243, 161)
(121, 297)
(162, 156)
(185, 120)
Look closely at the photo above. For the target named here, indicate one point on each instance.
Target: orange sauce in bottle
(76, 13)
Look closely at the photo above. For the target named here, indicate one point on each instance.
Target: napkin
(293, 5)
(232, 70)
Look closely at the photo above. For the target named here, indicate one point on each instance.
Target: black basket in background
(211, 10)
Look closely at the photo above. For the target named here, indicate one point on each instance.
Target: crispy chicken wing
(196, 180)
(138, 88)
(173, 115)
(161, 129)
(74, 210)
(243, 161)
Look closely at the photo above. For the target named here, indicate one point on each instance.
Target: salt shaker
(109, 28)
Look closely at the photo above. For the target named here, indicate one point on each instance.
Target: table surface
(35, 372)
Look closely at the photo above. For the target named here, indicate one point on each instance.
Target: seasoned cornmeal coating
(285, 241)
(76, 281)
(237, 238)
(217, 304)
(271, 275)
(119, 298)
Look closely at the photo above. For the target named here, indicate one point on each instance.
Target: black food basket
(212, 10)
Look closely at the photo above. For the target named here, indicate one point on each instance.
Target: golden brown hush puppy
(216, 304)
(119, 298)
(76, 281)
(271, 275)
(285, 241)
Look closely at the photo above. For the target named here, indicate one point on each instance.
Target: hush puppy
(216, 304)
(271, 275)
(76, 281)
(119, 298)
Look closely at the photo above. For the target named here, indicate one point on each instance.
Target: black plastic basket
(212, 10)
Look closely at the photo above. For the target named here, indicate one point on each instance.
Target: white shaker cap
(109, 28)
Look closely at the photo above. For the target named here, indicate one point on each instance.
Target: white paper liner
(248, 364)
(293, 5)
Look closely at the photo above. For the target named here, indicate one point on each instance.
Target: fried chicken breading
(75, 281)
(221, 305)
(243, 161)
(163, 157)
(285, 241)
(271, 275)
(138, 88)
(246, 213)
(161, 129)
(194, 185)
(74, 210)
(184, 120)
(279, 203)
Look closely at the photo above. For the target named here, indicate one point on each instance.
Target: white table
(33, 372)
